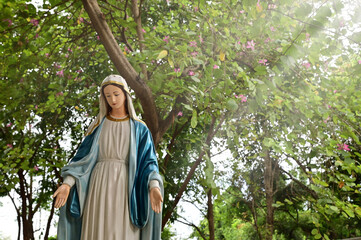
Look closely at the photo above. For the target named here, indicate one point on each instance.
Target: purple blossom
(9, 125)
(154, 28)
(196, 9)
(307, 36)
(166, 39)
(177, 70)
(66, 55)
(307, 65)
(242, 97)
(81, 19)
(180, 113)
(267, 40)
(79, 71)
(344, 147)
(9, 145)
(57, 65)
(191, 73)
(272, 29)
(36, 36)
(69, 50)
(9, 21)
(36, 106)
(47, 55)
(60, 73)
(36, 168)
(21, 80)
(215, 66)
(34, 22)
(201, 39)
(250, 44)
(98, 38)
(326, 120)
(143, 30)
(194, 54)
(263, 61)
(193, 44)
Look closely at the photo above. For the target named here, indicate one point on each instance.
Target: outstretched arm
(61, 195)
(156, 199)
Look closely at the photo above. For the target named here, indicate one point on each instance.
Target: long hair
(109, 108)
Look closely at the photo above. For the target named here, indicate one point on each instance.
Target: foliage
(282, 75)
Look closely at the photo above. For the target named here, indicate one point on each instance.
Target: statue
(112, 189)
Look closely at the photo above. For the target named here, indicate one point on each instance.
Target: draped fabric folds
(143, 168)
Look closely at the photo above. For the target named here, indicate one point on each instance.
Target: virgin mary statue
(112, 189)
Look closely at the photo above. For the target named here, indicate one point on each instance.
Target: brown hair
(109, 108)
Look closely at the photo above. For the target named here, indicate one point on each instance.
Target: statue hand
(156, 199)
(61, 195)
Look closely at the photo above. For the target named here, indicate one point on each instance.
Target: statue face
(115, 97)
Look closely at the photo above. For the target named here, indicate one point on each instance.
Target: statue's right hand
(61, 195)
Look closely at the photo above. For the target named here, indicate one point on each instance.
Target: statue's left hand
(156, 199)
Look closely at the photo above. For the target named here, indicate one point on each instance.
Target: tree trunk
(46, 236)
(268, 181)
(210, 215)
(211, 132)
(26, 217)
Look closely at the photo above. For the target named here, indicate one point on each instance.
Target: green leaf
(314, 231)
(232, 105)
(162, 54)
(194, 119)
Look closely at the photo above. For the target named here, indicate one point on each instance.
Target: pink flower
(191, 73)
(36, 168)
(194, 54)
(359, 61)
(215, 66)
(56, 65)
(166, 39)
(250, 44)
(193, 44)
(79, 71)
(9, 125)
(143, 30)
(177, 70)
(9, 145)
(242, 97)
(60, 73)
(196, 9)
(326, 120)
(69, 50)
(307, 65)
(328, 106)
(81, 19)
(272, 29)
(98, 38)
(36, 106)
(334, 91)
(154, 28)
(9, 21)
(344, 147)
(36, 36)
(200, 39)
(21, 80)
(241, 12)
(66, 55)
(263, 61)
(34, 22)
(47, 54)
(180, 114)
(56, 147)
(272, 6)
(307, 36)
(59, 94)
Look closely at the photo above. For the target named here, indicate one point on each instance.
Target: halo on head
(118, 80)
